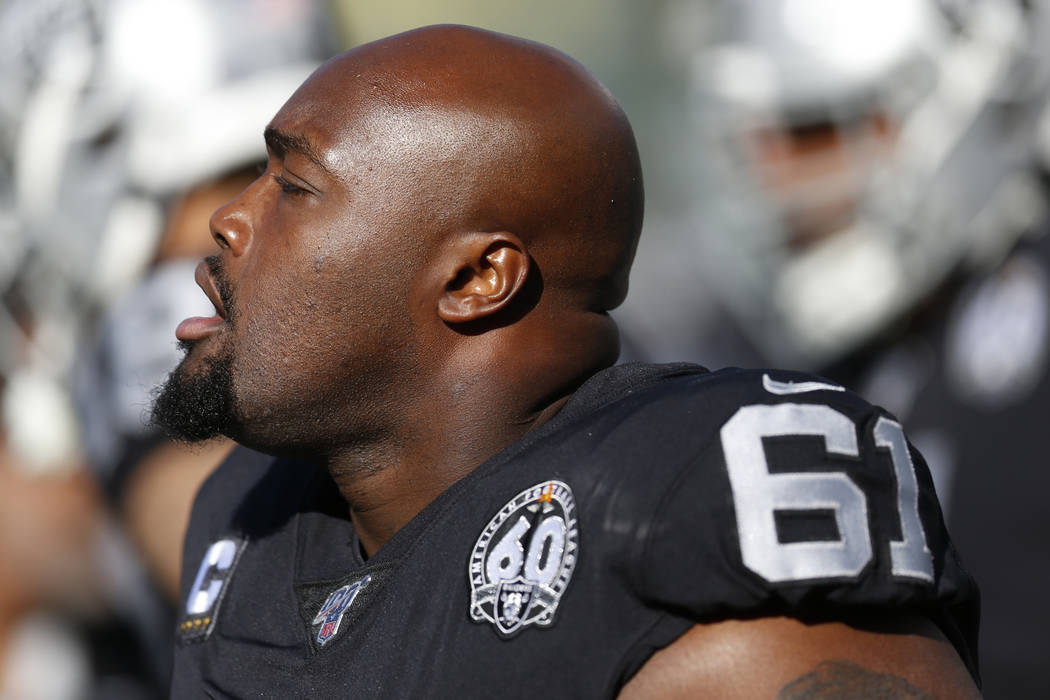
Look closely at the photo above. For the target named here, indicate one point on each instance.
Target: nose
(231, 226)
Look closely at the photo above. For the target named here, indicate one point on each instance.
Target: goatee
(195, 406)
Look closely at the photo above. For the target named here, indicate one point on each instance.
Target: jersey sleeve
(800, 498)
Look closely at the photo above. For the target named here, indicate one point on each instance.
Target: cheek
(318, 300)
(311, 328)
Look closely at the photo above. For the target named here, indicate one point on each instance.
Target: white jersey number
(507, 556)
(759, 494)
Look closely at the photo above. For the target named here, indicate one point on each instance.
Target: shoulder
(681, 408)
(249, 493)
(768, 492)
(239, 472)
(638, 386)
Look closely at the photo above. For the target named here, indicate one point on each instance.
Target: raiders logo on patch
(524, 559)
(331, 612)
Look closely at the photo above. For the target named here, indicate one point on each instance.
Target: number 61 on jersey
(759, 494)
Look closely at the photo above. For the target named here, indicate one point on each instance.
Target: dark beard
(197, 406)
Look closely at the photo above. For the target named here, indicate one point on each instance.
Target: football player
(466, 499)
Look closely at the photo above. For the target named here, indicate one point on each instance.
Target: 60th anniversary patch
(524, 559)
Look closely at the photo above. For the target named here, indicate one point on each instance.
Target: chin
(196, 403)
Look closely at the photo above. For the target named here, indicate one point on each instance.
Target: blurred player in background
(123, 125)
(871, 200)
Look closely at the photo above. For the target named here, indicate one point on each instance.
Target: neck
(387, 486)
(495, 388)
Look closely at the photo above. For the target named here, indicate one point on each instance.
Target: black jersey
(659, 497)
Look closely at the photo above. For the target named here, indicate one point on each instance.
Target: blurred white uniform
(109, 111)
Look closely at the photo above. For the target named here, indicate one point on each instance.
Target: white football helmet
(108, 109)
(854, 154)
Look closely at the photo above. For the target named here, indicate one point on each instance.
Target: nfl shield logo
(331, 613)
(512, 603)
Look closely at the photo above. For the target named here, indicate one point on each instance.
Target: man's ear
(487, 273)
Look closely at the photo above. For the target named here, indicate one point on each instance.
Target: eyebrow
(281, 143)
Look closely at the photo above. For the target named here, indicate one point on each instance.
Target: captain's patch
(524, 559)
(209, 587)
(331, 612)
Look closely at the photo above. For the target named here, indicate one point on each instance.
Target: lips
(198, 327)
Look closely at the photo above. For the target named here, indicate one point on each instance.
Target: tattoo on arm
(844, 680)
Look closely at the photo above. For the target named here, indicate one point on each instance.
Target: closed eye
(287, 187)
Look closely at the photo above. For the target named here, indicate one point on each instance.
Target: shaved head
(491, 132)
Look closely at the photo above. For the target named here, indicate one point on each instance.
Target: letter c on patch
(211, 576)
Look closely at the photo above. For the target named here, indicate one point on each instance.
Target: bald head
(445, 217)
(479, 131)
